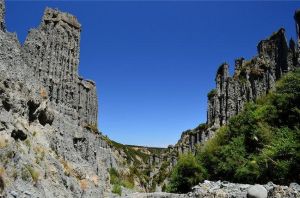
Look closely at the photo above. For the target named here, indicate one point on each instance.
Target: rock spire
(52, 52)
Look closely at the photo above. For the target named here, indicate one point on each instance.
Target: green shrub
(231, 157)
(28, 143)
(261, 143)
(127, 183)
(164, 188)
(247, 172)
(212, 93)
(114, 176)
(187, 173)
(117, 179)
(34, 173)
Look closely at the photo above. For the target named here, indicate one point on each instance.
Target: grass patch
(27, 143)
(34, 173)
(92, 127)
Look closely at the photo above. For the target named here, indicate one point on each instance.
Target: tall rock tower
(52, 51)
(2, 15)
(252, 78)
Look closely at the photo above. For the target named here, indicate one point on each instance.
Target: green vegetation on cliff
(138, 161)
(119, 179)
(260, 144)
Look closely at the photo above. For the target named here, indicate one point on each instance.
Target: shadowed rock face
(52, 52)
(251, 79)
(297, 20)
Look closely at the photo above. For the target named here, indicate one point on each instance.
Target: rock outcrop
(49, 143)
(52, 52)
(251, 79)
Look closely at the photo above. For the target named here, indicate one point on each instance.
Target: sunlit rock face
(49, 146)
(52, 52)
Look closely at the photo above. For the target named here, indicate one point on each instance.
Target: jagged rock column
(52, 51)
(87, 101)
(251, 79)
(2, 15)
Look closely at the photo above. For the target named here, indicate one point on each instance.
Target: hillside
(260, 144)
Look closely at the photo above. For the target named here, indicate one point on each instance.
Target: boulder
(257, 191)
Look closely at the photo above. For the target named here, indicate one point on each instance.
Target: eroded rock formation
(251, 80)
(52, 52)
(49, 144)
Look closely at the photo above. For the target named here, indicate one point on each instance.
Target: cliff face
(251, 79)
(52, 52)
(49, 146)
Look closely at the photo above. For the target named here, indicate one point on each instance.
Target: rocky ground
(210, 189)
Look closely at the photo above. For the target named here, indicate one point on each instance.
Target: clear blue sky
(154, 62)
